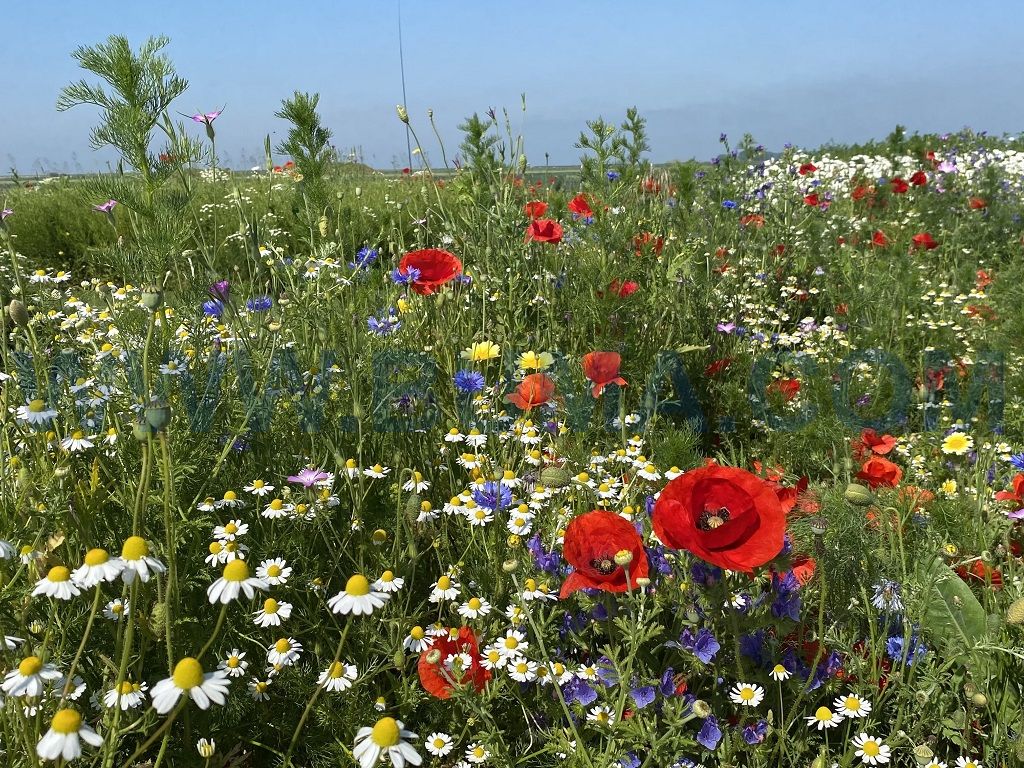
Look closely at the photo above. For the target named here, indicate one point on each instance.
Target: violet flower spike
(5, 213)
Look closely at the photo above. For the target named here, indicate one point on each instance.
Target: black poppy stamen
(710, 519)
(604, 565)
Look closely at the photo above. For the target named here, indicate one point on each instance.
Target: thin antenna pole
(401, 63)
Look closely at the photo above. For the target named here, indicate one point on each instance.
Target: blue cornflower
(754, 734)
(629, 761)
(1017, 461)
(894, 648)
(364, 258)
(729, 204)
(468, 382)
(549, 562)
(213, 308)
(384, 325)
(493, 495)
(710, 734)
(259, 303)
(613, 175)
(406, 276)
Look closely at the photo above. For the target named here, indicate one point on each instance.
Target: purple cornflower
(365, 257)
(309, 477)
(384, 325)
(710, 734)
(703, 644)
(579, 690)
(545, 560)
(106, 207)
(729, 204)
(259, 303)
(754, 734)
(1017, 461)
(405, 277)
(220, 290)
(468, 382)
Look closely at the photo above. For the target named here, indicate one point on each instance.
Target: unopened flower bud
(979, 699)
(859, 495)
(623, 557)
(18, 313)
(510, 566)
(701, 709)
(923, 754)
(206, 748)
(403, 114)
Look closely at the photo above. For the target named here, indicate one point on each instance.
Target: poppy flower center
(712, 518)
(604, 565)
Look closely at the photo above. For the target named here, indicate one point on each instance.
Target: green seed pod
(859, 495)
(152, 297)
(554, 477)
(158, 416)
(923, 754)
(510, 566)
(141, 431)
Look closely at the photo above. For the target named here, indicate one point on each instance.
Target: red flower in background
(646, 238)
(437, 678)
(535, 209)
(544, 231)
(724, 515)
(977, 203)
(880, 473)
(602, 368)
(717, 366)
(803, 568)
(591, 542)
(580, 207)
(436, 267)
(812, 199)
(924, 240)
(1017, 494)
(536, 389)
(623, 289)
(919, 179)
(899, 186)
(807, 168)
(983, 572)
(755, 220)
(879, 239)
(786, 388)
(861, 191)
(983, 281)
(871, 443)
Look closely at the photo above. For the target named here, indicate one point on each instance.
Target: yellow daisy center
(66, 721)
(444, 583)
(385, 733)
(778, 669)
(475, 604)
(77, 434)
(236, 570)
(852, 704)
(188, 674)
(277, 505)
(30, 666)
(36, 406)
(337, 670)
(282, 645)
(215, 547)
(357, 586)
(387, 577)
(511, 643)
(58, 573)
(870, 748)
(230, 528)
(747, 694)
(271, 606)
(96, 557)
(417, 633)
(274, 570)
(823, 714)
(126, 687)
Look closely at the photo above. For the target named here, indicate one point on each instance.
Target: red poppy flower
(535, 209)
(646, 238)
(436, 677)
(803, 568)
(724, 515)
(786, 388)
(924, 240)
(602, 368)
(983, 572)
(878, 472)
(917, 497)
(591, 542)
(436, 267)
(811, 199)
(289, 164)
(879, 239)
(983, 281)
(580, 207)
(871, 442)
(623, 289)
(1017, 494)
(919, 179)
(977, 203)
(717, 366)
(544, 231)
(861, 191)
(536, 389)
(842, 308)
(807, 168)
(899, 186)
(755, 220)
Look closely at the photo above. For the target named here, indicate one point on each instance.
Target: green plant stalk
(81, 645)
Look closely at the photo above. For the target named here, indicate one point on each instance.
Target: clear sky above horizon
(793, 71)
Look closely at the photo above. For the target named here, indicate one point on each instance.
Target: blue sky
(805, 72)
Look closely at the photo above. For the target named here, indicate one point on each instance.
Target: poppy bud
(434, 656)
(554, 477)
(643, 581)
(510, 566)
(859, 495)
(379, 536)
(979, 699)
(623, 557)
(403, 114)
(701, 709)
(141, 431)
(18, 313)
(923, 754)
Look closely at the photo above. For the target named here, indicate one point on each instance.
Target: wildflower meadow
(481, 464)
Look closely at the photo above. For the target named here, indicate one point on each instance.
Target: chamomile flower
(477, 753)
(230, 500)
(235, 581)
(513, 644)
(77, 442)
(416, 483)
(258, 488)
(338, 677)
(272, 613)
(386, 738)
(57, 584)
(823, 718)
(377, 471)
(935, 764)
(137, 561)
(36, 413)
(189, 678)
(259, 689)
(388, 583)
(29, 678)
(493, 659)
(649, 472)
(445, 588)
(601, 715)
(438, 744)
(206, 748)
(780, 672)
(127, 696)
(275, 571)
(454, 436)
(870, 749)
(234, 664)
(968, 762)
(522, 670)
(98, 567)
(116, 609)
(65, 736)
(277, 509)
(852, 705)
(284, 652)
(746, 694)
(358, 598)
(232, 530)
(416, 641)
(474, 608)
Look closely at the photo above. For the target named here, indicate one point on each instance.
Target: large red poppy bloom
(434, 667)
(602, 368)
(1016, 496)
(899, 186)
(591, 542)
(880, 473)
(436, 267)
(727, 516)
(925, 240)
(535, 209)
(544, 231)
(871, 442)
(536, 389)
(580, 207)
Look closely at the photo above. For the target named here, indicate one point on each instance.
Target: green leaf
(953, 617)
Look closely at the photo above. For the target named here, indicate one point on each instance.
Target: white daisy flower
(823, 718)
(416, 641)
(235, 581)
(376, 471)
(98, 567)
(416, 483)
(77, 442)
(30, 678)
(116, 609)
(474, 608)
(258, 488)
(137, 562)
(388, 583)
(746, 694)
(438, 744)
(454, 436)
(285, 652)
(968, 762)
(258, 689)
(189, 678)
(477, 753)
(36, 413)
(780, 673)
(231, 531)
(601, 715)
(338, 677)
(57, 584)
(234, 664)
(522, 670)
(357, 598)
(870, 749)
(513, 644)
(277, 509)
(206, 748)
(272, 613)
(493, 659)
(387, 738)
(275, 571)
(445, 588)
(852, 705)
(129, 696)
(65, 736)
